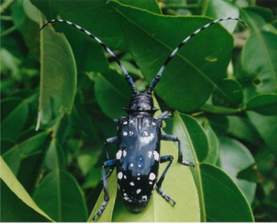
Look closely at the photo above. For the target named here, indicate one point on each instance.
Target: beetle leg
(167, 158)
(173, 138)
(164, 115)
(111, 164)
(109, 141)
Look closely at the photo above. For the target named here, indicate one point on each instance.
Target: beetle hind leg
(167, 158)
(173, 138)
(111, 164)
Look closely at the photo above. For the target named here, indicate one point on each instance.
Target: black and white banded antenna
(158, 76)
(127, 76)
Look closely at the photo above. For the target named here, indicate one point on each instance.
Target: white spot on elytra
(146, 139)
(156, 156)
(125, 122)
(131, 165)
(144, 198)
(152, 176)
(138, 191)
(124, 153)
(120, 175)
(150, 182)
(125, 133)
(131, 133)
(119, 154)
(139, 166)
(125, 177)
(149, 154)
(138, 178)
(132, 183)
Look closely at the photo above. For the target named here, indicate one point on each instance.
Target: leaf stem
(177, 6)
(5, 5)
(221, 110)
(8, 31)
(6, 18)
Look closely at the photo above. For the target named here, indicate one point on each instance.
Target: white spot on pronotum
(132, 183)
(150, 182)
(156, 155)
(138, 178)
(152, 176)
(138, 191)
(120, 175)
(119, 154)
(125, 133)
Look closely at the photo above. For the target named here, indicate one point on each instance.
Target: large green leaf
(220, 9)
(197, 149)
(112, 93)
(58, 70)
(265, 104)
(266, 126)
(17, 119)
(178, 184)
(228, 93)
(60, 196)
(194, 71)
(235, 157)
(94, 16)
(24, 149)
(259, 55)
(16, 203)
(224, 202)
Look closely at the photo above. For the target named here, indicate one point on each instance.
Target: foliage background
(222, 97)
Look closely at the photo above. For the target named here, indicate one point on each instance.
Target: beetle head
(141, 102)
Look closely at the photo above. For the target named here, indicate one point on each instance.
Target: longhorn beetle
(138, 139)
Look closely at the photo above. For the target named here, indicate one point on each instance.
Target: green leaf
(266, 126)
(112, 93)
(213, 154)
(235, 157)
(55, 158)
(94, 16)
(22, 150)
(241, 128)
(228, 93)
(224, 202)
(16, 203)
(183, 189)
(107, 214)
(265, 104)
(194, 71)
(15, 119)
(259, 73)
(220, 9)
(60, 196)
(58, 70)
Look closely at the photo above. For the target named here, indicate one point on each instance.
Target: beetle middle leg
(167, 158)
(173, 138)
(109, 141)
(111, 164)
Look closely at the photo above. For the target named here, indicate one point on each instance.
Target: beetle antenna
(158, 76)
(127, 76)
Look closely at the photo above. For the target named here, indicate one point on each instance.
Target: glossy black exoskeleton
(138, 140)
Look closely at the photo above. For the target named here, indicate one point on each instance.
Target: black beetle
(138, 140)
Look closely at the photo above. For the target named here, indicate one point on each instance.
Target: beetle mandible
(138, 139)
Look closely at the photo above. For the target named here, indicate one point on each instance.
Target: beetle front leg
(167, 158)
(111, 164)
(173, 138)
